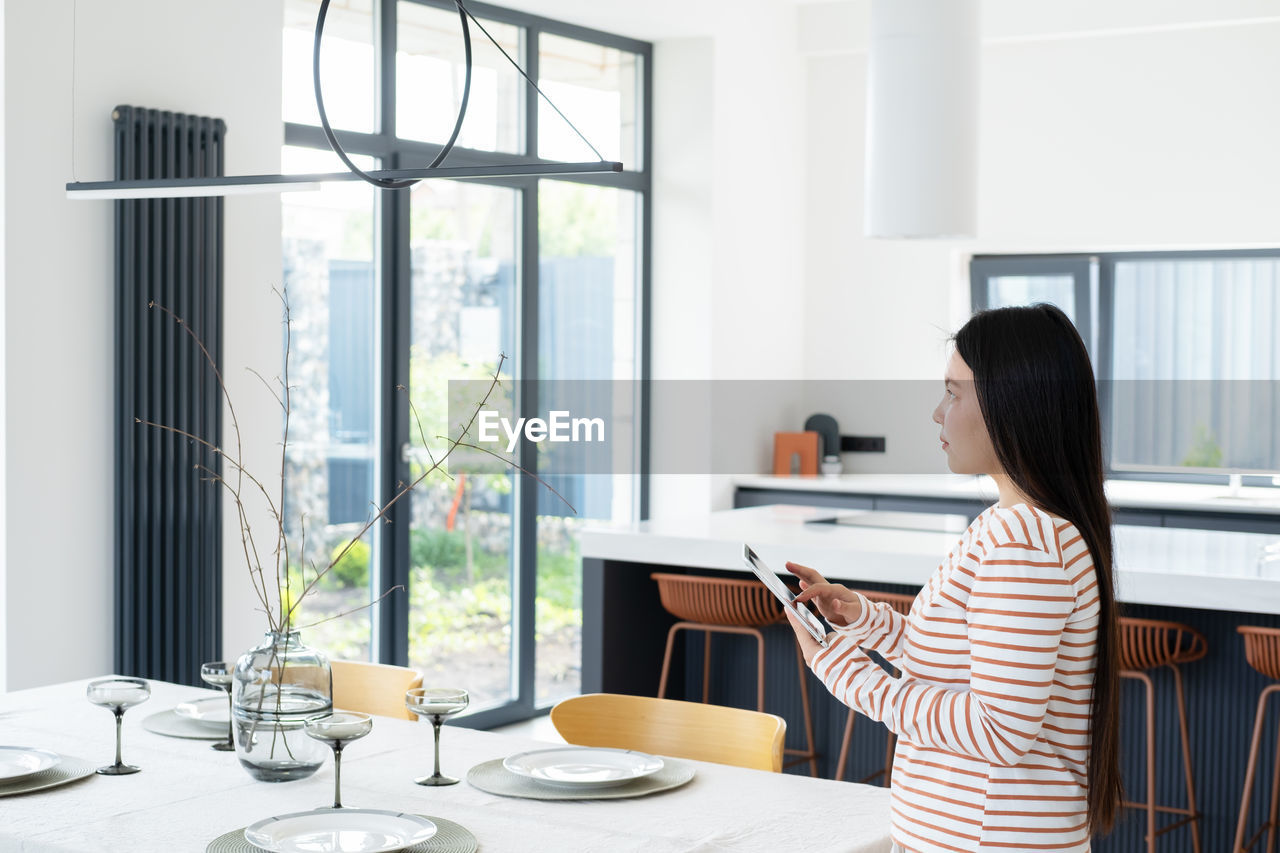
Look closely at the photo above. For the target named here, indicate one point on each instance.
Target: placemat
(449, 838)
(171, 724)
(492, 777)
(69, 770)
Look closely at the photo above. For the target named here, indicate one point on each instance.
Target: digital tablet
(780, 591)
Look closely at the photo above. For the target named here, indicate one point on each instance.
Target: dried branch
(282, 539)
(246, 538)
(252, 559)
(366, 605)
(267, 385)
(413, 410)
(240, 469)
(280, 620)
(401, 492)
(222, 386)
(521, 469)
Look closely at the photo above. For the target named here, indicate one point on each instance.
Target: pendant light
(922, 119)
(384, 178)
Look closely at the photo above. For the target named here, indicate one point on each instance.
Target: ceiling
(652, 20)
(649, 20)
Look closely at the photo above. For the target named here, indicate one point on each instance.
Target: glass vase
(278, 685)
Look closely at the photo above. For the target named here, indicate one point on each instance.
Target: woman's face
(964, 433)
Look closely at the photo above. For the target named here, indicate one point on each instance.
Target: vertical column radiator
(168, 554)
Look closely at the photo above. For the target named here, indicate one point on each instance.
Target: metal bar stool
(902, 604)
(1148, 644)
(729, 606)
(1262, 650)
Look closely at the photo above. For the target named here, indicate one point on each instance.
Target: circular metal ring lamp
(387, 183)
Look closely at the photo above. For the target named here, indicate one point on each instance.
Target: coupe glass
(436, 703)
(337, 730)
(219, 674)
(118, 695)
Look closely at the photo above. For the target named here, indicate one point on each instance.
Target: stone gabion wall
(444, 280)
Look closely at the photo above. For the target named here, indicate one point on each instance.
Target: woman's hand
(808, 645)
(839, 605)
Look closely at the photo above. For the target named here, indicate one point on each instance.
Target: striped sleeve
(1018, 605)
(879, 627)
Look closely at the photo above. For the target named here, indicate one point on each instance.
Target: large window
(396, 294)
(1185, 345)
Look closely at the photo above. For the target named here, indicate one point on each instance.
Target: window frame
(1086, 268)
(391, 615)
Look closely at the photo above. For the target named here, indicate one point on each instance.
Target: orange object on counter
(787, 446)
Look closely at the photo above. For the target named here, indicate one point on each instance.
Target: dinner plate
(212, 710)
(19, 762)
(583, 767)
(340, 831)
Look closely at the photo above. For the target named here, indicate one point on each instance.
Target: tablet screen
(780, 591)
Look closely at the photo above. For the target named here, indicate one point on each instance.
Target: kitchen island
(1211, 580)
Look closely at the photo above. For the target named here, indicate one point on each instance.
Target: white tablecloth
(187, 794)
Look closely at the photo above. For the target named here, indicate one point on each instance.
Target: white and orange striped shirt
(992, 708)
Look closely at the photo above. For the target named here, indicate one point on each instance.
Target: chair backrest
(672, 727)
(1262, 649)
(373, 688)
(717, 601)
(1149, 643)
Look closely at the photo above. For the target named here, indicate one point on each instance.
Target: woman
(1007, 707)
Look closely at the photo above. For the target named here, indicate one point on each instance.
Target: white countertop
(1204, 569)
(1121, 493)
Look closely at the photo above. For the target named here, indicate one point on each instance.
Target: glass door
(330, 272)
(462, 565)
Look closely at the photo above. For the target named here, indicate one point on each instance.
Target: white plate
(211, 711)
(583, 767)
(19, 762)
(340, 831)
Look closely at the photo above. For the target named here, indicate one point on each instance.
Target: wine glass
(338, 729)
(118, 694)
(436, 703)
(219, 674)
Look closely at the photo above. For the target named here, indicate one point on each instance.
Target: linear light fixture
(385, 178)
(248, 184)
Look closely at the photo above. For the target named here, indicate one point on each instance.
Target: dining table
(186, 794)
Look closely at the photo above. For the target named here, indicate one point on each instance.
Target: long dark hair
(1036, 392)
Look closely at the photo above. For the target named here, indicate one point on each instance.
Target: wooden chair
(902, 604)
(672, 727)
(373, 688)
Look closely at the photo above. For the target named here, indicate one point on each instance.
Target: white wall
(4, 563)
(1103, 126)
(683, 264)
(728, 233)
(218, 59)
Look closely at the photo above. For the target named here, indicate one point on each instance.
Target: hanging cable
(73, 89)
(517, 67)
(390, 183)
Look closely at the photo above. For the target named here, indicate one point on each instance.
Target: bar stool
(1148, 644)
(902, 604)
(729, 606)
(1262, 650)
